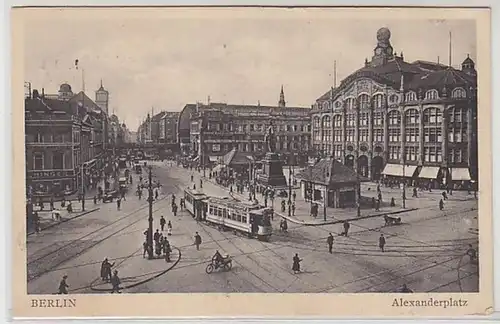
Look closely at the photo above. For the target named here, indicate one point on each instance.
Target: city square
(372, 188)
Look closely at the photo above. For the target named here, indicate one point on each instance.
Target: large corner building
(395, 118)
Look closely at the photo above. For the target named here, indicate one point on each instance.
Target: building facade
(217, 128)
(168, 127)
(401, 119)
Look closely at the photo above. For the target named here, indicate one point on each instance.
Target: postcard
(249, 162)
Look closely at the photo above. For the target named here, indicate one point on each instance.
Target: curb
(295, 221)
(64, 220)
(142, 281)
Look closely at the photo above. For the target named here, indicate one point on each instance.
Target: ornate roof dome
(65, 88)
(468, 60)
(383, 34)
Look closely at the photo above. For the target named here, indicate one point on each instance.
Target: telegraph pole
(358, 187)
(150, 218)
(290, 187)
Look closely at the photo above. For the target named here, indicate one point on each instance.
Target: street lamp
(404, 182)
(358, 187)
(150, 218)
(290, 187)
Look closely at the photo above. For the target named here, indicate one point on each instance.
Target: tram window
(224, 213)
(211, 212)
(244, 219)
(239, 218)
(219, 212)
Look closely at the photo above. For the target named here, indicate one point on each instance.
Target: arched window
(412, 117)
(411, 96)
(432, 116)
(326, 122)
(316, 122)
(393, 99)
(325, 105)
(337, 121)
(458, 93)
(364, 101)
(431, 94)
(378, 101)
(394, 117)
(349, 103)
(338, 104)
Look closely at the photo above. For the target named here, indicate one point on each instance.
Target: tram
(195, 203)
(251, 219)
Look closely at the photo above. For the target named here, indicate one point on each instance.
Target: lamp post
(404, 183)
(358, 187)
(290, 187)
(150, 218)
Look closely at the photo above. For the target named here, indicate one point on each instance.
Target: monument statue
(271, 139)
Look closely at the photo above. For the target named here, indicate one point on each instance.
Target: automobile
(110, 195)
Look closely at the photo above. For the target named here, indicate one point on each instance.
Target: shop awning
(398, 170)
(213, 158)
(460, 174)
(428, 172)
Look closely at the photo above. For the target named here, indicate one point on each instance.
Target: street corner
(137, 271)
(49, 220)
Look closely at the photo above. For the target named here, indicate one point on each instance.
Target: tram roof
(233, 203)
(195, 192)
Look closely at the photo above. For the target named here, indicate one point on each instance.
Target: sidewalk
(136, 270)
(47, 221)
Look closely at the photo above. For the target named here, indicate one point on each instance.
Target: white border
(6, 139)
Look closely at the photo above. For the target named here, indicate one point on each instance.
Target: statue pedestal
(272, 175)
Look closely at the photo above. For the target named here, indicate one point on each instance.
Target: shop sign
(51, 174)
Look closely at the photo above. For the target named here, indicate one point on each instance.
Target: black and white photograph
(288, 154)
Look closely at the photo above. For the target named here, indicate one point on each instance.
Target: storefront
(52, 183)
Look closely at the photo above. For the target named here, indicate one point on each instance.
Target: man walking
(329, 241)
(63, 286)
(115, 282)
(197, 241)
(346, 228)
(162, 223)
(381, 242)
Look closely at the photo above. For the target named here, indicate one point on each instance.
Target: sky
(162, 62)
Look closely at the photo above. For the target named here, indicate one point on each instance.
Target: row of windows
(217, 127)
(430, 135)
(412, 117)
(58, 161)
(225, 213)
(378, 99)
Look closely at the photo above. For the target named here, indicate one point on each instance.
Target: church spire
(282, 102)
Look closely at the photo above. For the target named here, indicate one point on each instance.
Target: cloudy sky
(165, 61)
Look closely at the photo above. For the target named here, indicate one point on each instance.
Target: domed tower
(102, 98)
(468, 66)
(383, 52)
(65, 92)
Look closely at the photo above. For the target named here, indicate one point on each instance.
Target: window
(38, 138)
(349, 103)
(378, 135)
(364, 101)
(433, 154)
(411, 135)
(337, 151)
(316, 135)
(316, 122)
(432, 116)
(457, 135)
(394, 135)
(337, 120)
(58, 160)
(431, 95)
(378, 119)
(432, 135)
(394, 152)
(411, 153)
(326, 122)
(363, 135)
(363, 119)
(216, 148)
(394, 117)
(350, 135)
(458, 93)
(412, 117)
(38, 161)
(295, 128)
(338, 135)
(325, 105)
(411, 96)
(378, 101)
(456, 115)
(393, 99)
(457, 156)
(351, 120)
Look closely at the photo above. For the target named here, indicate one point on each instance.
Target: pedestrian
(201, 184)
(95, 200)
(106, 270)
(296, 263)
(377, 205)
(441, 204)
(285, 225)
(293, 208)
(329, 241)
(393, 202)
(167, 250)
(381, 242)
(405, 289)
(36, 221)
(194, 187)
(169, 225)
(162, 223)
(144, 249)
(156, 236)
(346, 228)
(415, 193)
(283, 204)
(197, 241)
(294, 195)
(373, 202)
(380, 196)
(156, 194)
(63, 286)
(192, 178)
(445, 196)
(51, 203)
(118, 203)
(472, 253)
(174, 210)
(115, 283)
